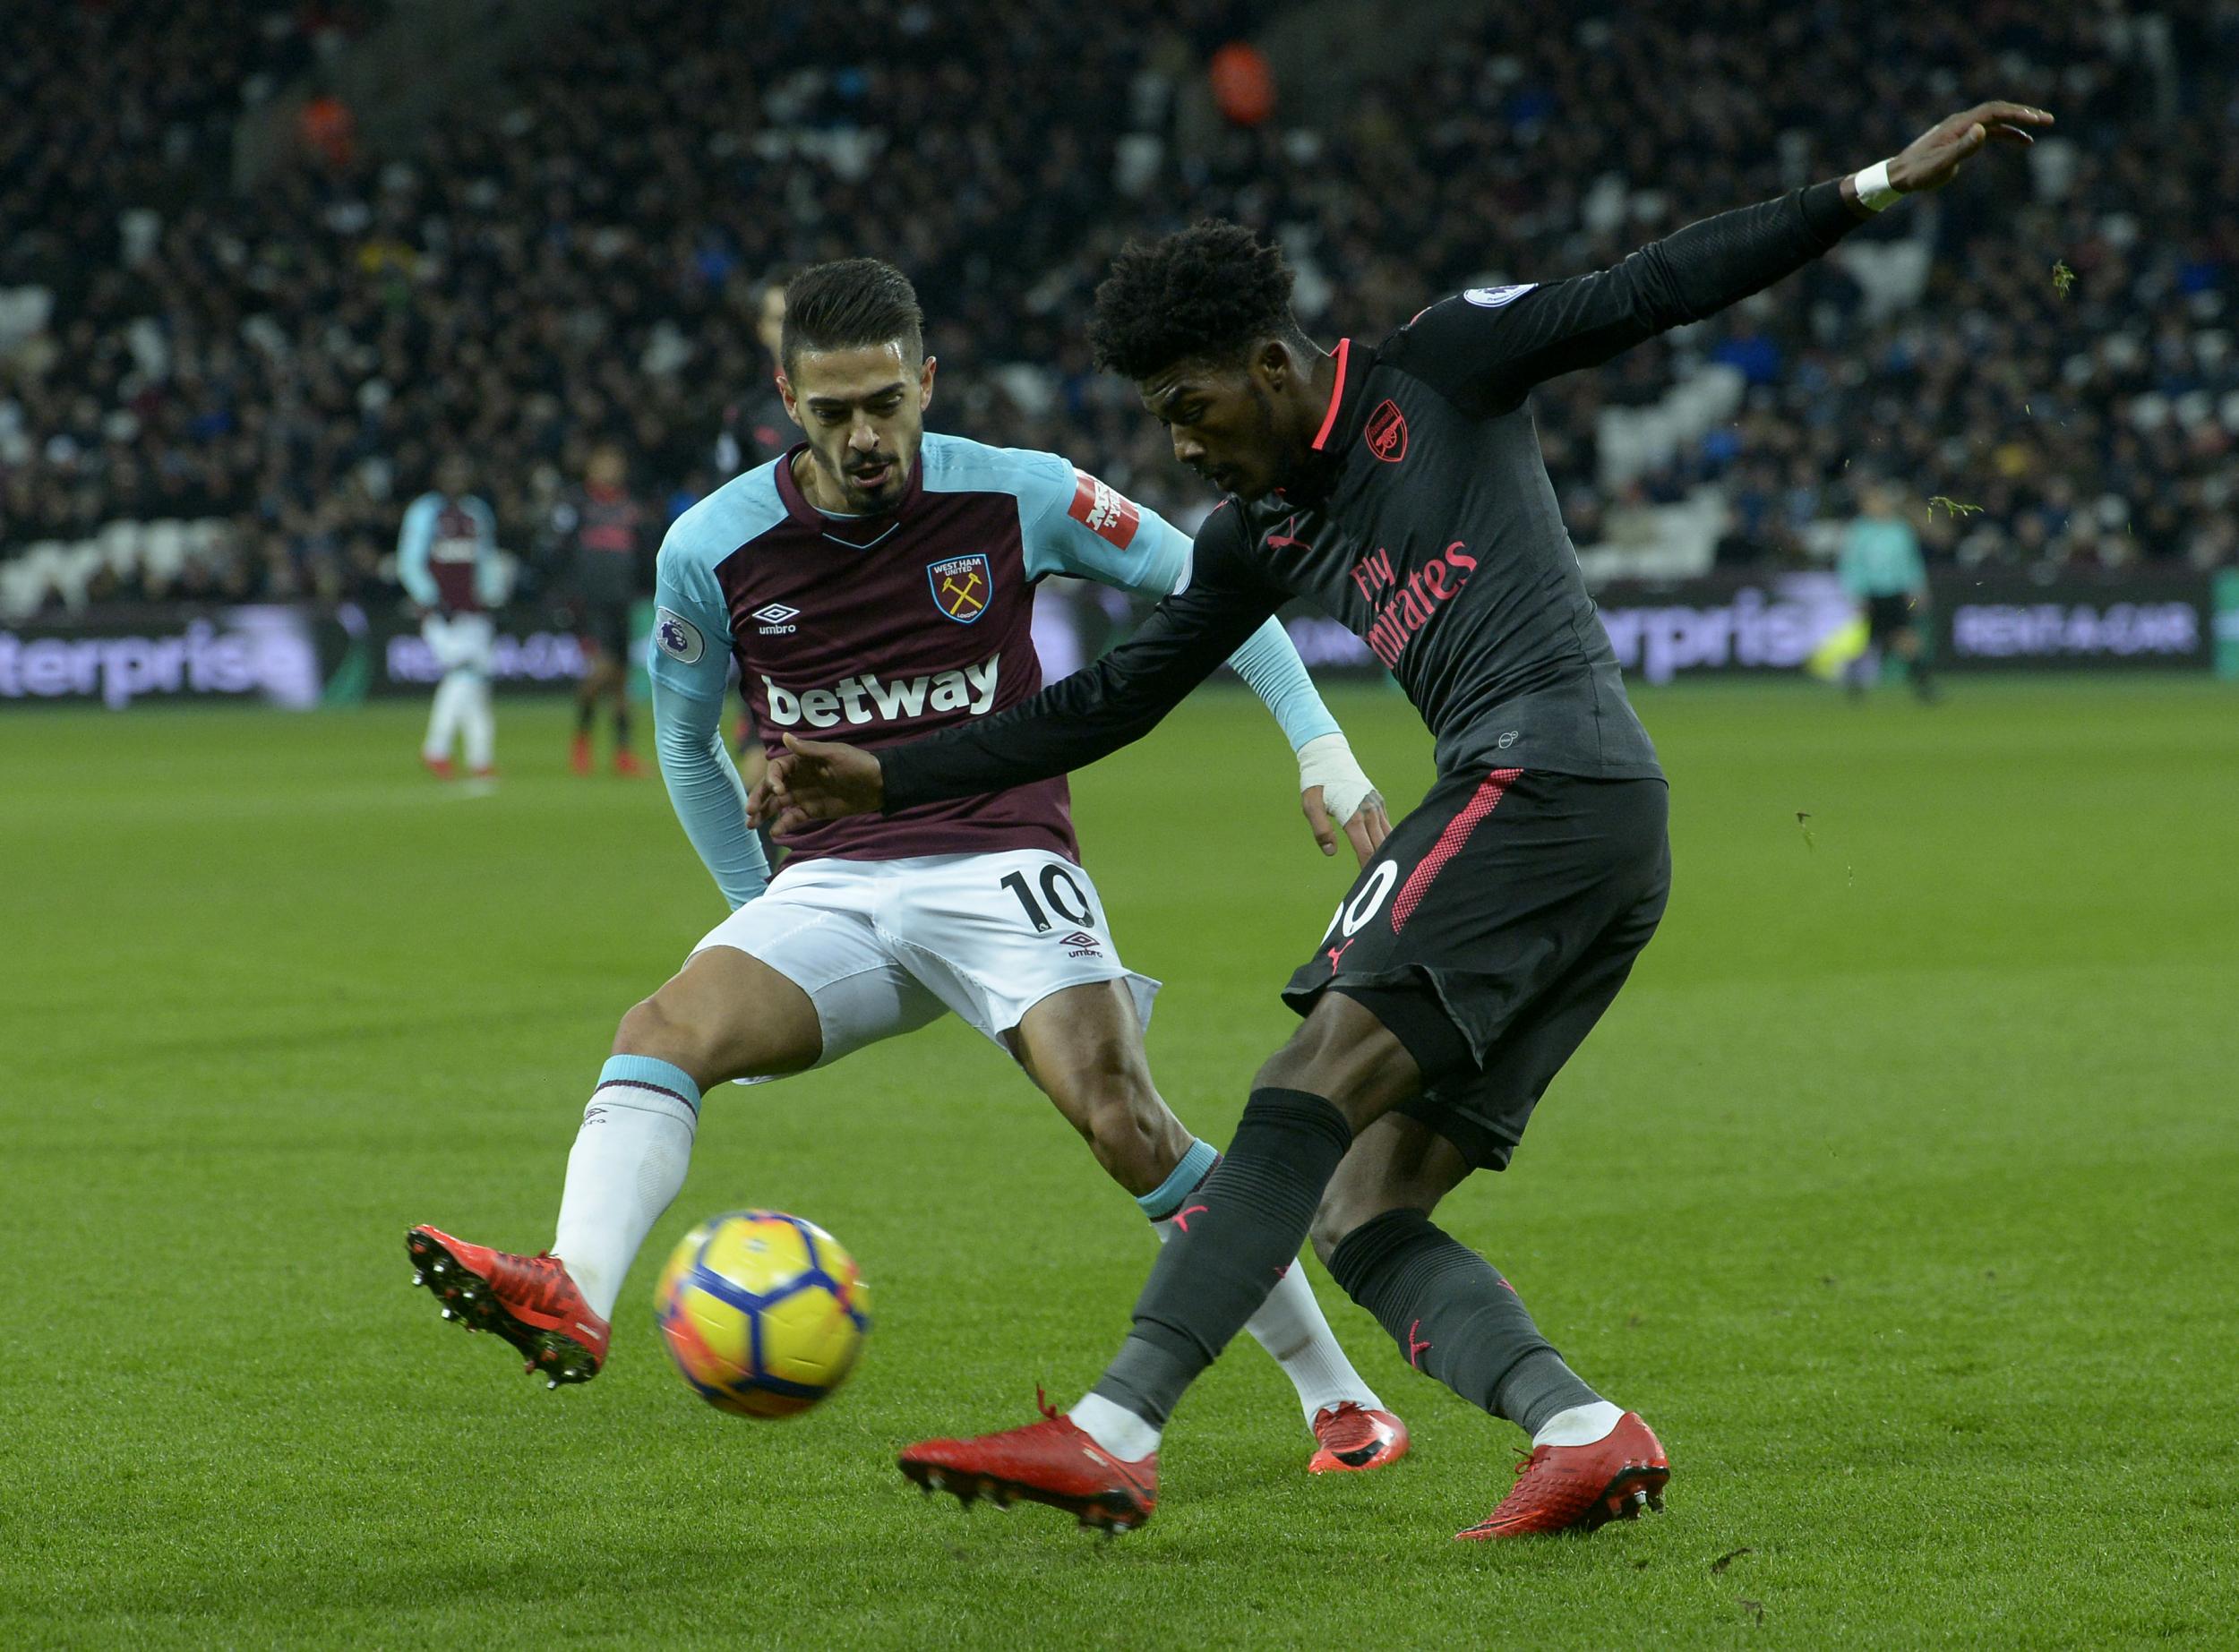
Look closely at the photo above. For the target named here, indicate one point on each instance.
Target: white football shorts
(460, 641)
(883, 947)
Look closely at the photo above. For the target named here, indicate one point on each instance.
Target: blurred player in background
(874, 582)
(758, 428)
(1882, 571)
(602, 543)
(447, 562)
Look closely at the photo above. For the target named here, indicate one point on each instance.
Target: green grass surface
(1900, 1190)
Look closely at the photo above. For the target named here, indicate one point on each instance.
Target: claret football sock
(627, 1165)
(1455, 1317)
(1290, 1324)
(1217, 1272)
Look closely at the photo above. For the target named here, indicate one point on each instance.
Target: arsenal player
(602, 534)
(1399, 485)
(874, 582)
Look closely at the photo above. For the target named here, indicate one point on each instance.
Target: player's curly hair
(1207, 291)
(848, 304)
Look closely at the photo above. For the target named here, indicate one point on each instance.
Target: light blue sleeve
(1079, 527)
(1270, 664)
(691, 623)
(413, 540)
(706, 791)
(1084, 530)
(489, 576)
(690, 663)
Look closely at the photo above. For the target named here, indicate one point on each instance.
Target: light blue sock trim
(651, 1073)
(1163, 1199)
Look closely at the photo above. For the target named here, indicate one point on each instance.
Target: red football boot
(1354, 1438)
(1051, 1461)
(438, 767)
(1581, 1487)
(627, 765)
(580, 754)
(530, 1301)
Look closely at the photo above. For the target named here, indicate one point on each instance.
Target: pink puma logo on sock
(1182, 1216)
(1414, 1348)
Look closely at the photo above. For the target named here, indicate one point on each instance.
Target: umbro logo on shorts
(1080, 944)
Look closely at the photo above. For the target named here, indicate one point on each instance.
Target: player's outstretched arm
(1491, 345)
(690, 664)
(1066, 726)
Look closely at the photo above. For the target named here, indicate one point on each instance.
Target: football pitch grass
(1900, 1191)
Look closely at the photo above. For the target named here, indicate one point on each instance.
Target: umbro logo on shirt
(776, 618)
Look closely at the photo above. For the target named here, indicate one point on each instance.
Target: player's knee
(1346, 1056)
(1344, 1207)
(648, 1028)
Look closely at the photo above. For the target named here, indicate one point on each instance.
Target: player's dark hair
(848, 305)
(1209, 291)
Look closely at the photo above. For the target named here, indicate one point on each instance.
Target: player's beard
(1267, 447)
(855, 497)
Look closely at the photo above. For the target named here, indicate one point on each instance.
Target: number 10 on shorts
(1061, 893)
(1365, 902)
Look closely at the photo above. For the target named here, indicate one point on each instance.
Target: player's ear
(1271, 365)
(925, 382)
(784, 389)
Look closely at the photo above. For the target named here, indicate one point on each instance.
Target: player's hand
(1366, 830)
(1331, 781)
(1932, 159)
(815, 780)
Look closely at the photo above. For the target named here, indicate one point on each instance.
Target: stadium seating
(579, 260)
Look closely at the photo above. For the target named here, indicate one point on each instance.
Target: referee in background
(1882, 571)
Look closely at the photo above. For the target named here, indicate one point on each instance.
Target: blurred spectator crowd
(580, 256)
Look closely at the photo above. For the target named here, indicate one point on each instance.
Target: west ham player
(874, 582)
(1400, 486)
(602, 536)
(447, 562)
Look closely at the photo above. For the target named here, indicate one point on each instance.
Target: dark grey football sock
(1453, 1316)
(1238, 1233)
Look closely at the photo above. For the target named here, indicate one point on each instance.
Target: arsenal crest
(1385, 432)
(962, 585)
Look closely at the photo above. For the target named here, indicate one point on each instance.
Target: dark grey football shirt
(1427, 524)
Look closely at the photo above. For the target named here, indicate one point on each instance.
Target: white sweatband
(1327, 761)
(1874, 191)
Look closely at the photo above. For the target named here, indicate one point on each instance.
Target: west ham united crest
(962, 585)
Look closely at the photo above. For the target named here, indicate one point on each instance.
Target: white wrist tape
(1327, 761)
(1874, 191)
